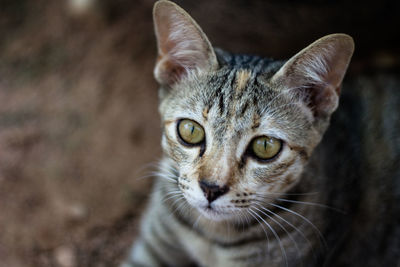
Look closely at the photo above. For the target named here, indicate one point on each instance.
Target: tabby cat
(242, 181)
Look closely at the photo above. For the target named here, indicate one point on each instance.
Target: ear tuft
(182, 45)
(318, 71)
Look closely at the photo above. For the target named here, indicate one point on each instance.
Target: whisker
(146, 166)
(245, 219)
(166, 167)
(168, 177)
(262, 226)
(165, 172)
(305, 219)
(275, 234)
(283, 228)
(260, 254)
(175, 192)
(228, 227)
(291, 225)
(145, 176)
(181, 208)
(290, 194)
(171, 195)
(175, 203)
(195, 224)
(320, 205)
(312, 204)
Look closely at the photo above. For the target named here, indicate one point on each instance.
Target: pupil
(192, 130)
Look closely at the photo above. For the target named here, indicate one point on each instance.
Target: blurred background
(79, 127)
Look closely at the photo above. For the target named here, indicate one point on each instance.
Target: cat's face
(248, 138)
(237, 133)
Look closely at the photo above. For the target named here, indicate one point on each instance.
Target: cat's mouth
(213, 213)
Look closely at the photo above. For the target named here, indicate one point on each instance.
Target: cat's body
(239, 183)
(360, 155)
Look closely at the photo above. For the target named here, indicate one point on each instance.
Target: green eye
(190, 132)
(265, 147)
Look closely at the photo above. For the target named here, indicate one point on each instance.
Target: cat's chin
(215, 215)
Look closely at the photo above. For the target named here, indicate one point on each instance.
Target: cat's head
(239, 128)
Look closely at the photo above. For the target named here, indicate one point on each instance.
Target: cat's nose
(212, 191)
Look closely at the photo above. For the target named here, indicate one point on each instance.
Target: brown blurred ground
(79, 127)
(78, 123)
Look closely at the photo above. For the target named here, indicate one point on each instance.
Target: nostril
(212, 191)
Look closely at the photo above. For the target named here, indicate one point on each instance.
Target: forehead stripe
(242, 78)
(205, 112)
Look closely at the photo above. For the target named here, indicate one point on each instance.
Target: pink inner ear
(339, 89)
(168, 72)
(182, 46)
(323, 100)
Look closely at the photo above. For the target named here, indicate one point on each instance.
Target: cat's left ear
(182, 45)
(317, 72)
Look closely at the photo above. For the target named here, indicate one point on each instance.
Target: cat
(244, 180)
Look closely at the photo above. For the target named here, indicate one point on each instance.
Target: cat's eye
(265, 147)
(190, 132)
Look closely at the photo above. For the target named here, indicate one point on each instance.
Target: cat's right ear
(182, 45)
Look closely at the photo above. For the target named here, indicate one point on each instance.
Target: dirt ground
(79, 128)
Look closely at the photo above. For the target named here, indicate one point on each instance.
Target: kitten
(237, 182)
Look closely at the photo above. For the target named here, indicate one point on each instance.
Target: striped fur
(259, 221)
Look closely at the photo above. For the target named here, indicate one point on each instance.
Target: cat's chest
(251, 247)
